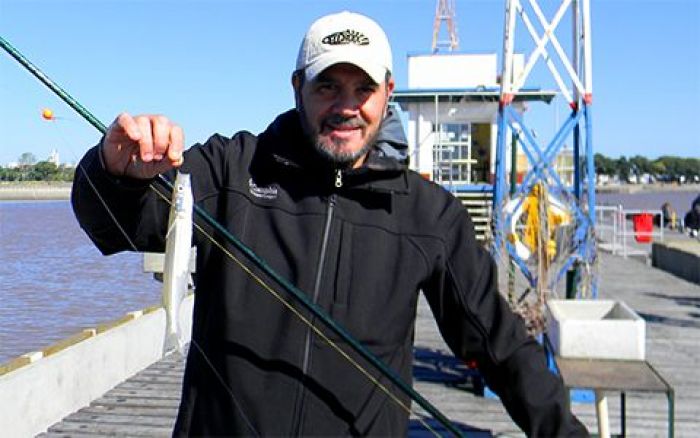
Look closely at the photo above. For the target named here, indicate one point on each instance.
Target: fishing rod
(295, 292)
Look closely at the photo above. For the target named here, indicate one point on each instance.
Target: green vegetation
(665, 168)
(41, 171)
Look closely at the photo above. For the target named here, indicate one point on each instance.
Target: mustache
(340, 121)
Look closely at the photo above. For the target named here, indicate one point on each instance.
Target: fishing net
(546, 251)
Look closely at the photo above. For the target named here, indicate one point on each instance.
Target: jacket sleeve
(477, 323)
(125, 214)
(117, 214)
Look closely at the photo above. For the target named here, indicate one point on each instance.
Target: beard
(329, 148)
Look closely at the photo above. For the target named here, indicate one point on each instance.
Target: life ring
(514, 208)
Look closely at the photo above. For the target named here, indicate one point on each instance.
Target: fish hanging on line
(176, 269)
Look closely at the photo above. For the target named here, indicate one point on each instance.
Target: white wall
(452, 71)
(40, 394)
(420, 125)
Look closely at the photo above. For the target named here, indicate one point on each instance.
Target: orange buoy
(47, 114)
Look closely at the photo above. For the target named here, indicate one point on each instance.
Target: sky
(224, 66)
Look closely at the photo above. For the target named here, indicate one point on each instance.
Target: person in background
(668, 213)
(691, 221)
(325, 197)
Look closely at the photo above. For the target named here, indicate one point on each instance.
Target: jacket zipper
(338, 178)
(317, 290)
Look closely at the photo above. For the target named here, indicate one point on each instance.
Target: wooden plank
(157, 379)
(130, 419)
(152, 394)
(610, 375)
(170, 412)
(130, 385)
(69, 427)
(110, 400)
(68, 435)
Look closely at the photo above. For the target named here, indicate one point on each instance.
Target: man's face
(341, 110)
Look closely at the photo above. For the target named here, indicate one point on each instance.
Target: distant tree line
(664, 169)
(28, 169)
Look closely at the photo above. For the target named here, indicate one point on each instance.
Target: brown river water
(54, 282)
(681, 200)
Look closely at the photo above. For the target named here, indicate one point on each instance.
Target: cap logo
(346, 37)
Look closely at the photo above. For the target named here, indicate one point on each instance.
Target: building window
(452, 154)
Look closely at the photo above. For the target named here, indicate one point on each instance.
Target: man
(324, 197)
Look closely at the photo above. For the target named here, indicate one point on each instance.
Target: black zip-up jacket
(362, 243)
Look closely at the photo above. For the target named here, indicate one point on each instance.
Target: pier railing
(607, 226)
(617, 233)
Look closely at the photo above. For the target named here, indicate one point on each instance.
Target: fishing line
(134, 248)
(306, 320)
(93, 187)
(297, 293)
(303, 318)
(228, 389)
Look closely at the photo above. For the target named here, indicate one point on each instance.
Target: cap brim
(375, 71)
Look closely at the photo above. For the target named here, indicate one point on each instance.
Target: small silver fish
(176, 269)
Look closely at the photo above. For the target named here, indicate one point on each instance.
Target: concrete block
(602, 329)
(680, 258)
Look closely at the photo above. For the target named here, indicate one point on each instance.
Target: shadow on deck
(146, 404)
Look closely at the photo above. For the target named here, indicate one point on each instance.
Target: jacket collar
(284, 147)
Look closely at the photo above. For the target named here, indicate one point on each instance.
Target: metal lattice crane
(445, 13)
(575, 86)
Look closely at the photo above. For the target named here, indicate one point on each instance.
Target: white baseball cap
(345, 37)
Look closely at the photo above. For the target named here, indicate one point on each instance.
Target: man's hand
(142, 146)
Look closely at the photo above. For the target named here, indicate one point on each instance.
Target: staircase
(479, 205)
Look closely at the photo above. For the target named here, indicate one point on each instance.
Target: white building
(54, 158)
(452, 108)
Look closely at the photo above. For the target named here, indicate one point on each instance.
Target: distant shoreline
(34, 191)
(648, 188)
(45, 191)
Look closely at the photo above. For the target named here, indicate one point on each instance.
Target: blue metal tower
(577, 196)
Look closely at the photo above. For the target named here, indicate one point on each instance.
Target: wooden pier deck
(146, 404)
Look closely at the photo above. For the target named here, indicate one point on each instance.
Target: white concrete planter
(602, 329)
